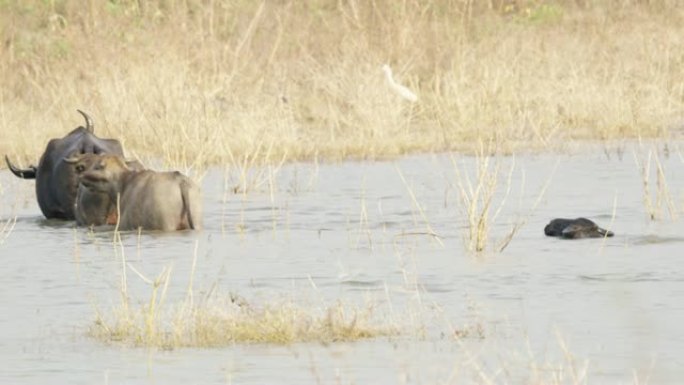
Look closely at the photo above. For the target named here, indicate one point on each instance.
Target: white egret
(398, 88)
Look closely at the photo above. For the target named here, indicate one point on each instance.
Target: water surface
(357, 231)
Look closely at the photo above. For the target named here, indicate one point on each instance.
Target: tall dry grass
(196, 81)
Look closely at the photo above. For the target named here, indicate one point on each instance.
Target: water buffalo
(148, 199)
(56, 180)
(575, 229)
(94, 208)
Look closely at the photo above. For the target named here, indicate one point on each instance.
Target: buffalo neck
(122, 181)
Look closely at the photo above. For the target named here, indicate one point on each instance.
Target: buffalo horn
(89, 122)
(29, 173)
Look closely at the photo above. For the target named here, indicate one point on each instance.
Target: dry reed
(483, 195)
(6, 227)
(655, 202)
(477, 197)
(216, 320)
(225, 320)
(194, 82)
(7, 223)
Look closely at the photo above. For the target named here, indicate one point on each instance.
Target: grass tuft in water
(224, 321)
(483, 195)
(478, 197)
(217, 320)
(657, 195)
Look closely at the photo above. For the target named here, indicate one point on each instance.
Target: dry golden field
(196, 82)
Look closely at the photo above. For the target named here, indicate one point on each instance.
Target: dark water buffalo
(575, 229)
(94, 208)
(148, 199)
(56, 180)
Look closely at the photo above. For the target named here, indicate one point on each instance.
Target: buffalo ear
(134, 165)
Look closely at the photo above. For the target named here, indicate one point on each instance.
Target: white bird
(398, 88)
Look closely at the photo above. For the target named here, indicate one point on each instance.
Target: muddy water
(589, 310)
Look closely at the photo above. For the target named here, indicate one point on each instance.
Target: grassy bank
(197, 82)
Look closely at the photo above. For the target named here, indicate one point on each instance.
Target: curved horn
(29, 173)
(90, 127)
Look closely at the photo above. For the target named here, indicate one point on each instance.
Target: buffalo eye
(80, 168)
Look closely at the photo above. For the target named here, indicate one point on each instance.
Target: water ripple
(638, 277)
(653, 239)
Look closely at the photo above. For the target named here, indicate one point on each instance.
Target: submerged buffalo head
(575, 229)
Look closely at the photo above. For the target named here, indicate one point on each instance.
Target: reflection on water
(352, 231)
(655, 239)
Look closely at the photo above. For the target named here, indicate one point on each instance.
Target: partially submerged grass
(429, 231)
(224, 320)
(526, 367)
(218, 320)
(195, 82)
(657, 196)
(483, 195)
(7, 223)
(6, 227)
(477, 196)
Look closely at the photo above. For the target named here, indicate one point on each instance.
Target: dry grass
(483, 194)
(219, 320)
(7, 222)
(195, 82)
(477, 197)
(524, 367)
(225, 320)
(657, 196)
(6, 227)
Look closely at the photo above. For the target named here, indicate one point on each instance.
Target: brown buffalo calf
(94, 208)
(148, 199)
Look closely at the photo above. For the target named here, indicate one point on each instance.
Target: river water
(542, 310)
